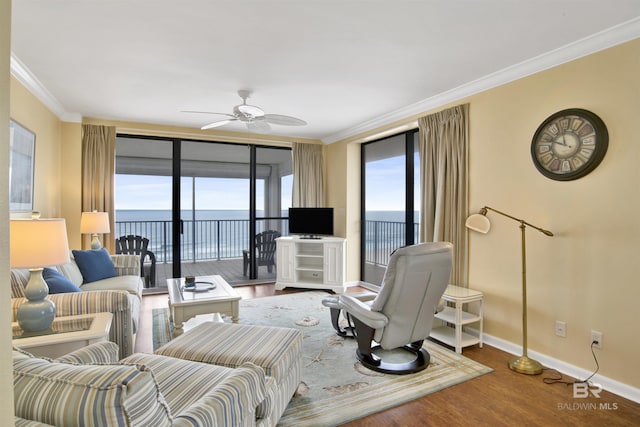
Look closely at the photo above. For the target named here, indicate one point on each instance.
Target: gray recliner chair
(400, 316)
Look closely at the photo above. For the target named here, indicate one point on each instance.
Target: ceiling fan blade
(217, 124)
(207, 112)
(258, 126)
(279, 119)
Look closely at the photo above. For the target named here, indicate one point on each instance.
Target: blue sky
(385, 190)
(154, 192)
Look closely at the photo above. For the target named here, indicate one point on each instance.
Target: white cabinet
(455, 318)
(310, 263)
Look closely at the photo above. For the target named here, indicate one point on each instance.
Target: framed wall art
(22, 152)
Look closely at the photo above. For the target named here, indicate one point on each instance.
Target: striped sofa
(120, 295)
(90, 388)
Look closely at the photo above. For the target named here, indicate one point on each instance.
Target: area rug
(335, 387)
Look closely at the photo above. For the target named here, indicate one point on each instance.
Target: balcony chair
(137, 245)
(265, 251)
(400, 316)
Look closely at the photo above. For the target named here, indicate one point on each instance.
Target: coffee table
(66, 334)
(185, 304)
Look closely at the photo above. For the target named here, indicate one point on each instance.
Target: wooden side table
(454, 335)
(66, 334)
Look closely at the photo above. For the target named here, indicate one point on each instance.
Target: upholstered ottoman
(277, 350)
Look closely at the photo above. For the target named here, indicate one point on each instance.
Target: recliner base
(375, 363)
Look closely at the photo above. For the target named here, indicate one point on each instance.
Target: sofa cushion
(131, 284)
(71, 271)
(65, 394)
(57, 282)
(94, 264)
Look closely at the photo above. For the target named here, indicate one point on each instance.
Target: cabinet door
(285, 255)
(333, 263)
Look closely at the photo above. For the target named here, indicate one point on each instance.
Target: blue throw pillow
(58, 283)
(94, 264)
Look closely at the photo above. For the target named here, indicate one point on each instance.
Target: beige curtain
(308, 176)
(98, 169)
(444, 175)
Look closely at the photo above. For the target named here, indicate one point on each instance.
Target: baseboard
(611, 385)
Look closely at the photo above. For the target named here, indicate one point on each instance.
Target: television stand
(308, 263)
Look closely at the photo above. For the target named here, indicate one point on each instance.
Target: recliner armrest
(361, 310)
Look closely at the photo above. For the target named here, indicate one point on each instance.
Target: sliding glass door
(390, 197)
(203, 205)
(143, 202)
(214, 209)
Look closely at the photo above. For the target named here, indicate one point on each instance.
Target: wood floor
(501, 398)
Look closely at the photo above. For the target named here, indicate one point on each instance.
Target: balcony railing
(214, 239)
(225, 238)
(383, 237)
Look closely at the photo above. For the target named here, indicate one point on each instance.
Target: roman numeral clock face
(569, 144)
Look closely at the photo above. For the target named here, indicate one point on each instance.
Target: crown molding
(33, 85)
(605, 39)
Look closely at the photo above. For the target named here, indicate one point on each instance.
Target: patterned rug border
(450, 369)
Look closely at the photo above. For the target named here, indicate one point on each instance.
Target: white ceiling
(344, 66)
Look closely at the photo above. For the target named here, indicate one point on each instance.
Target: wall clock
(569, 144)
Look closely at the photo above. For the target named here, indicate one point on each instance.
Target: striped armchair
(90, 387)
(120, 295)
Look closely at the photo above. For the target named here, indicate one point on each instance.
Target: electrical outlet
(561, 329)
(596, 337)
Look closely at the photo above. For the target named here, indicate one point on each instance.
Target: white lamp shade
(94, 223)
(38, 243)
(479, 223)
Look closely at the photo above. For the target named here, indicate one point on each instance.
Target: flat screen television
(311, 223)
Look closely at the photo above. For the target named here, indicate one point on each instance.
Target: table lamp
(35, 243)
(93, 223)
(480, 223)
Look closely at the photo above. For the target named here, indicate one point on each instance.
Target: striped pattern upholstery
(126, 265)
(117, 302)
(19, 279)
(21, 422)
(125, 306)
(276, 350)
(97, 353)
(199, 394)
(92, 395)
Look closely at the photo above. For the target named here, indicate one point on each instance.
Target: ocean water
(165, 215)
(220, 234)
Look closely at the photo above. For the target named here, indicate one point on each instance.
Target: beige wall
(587, 274)
(27, 110)
(6, 371)
(343, 194)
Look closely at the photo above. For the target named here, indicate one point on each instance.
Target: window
(390, 197)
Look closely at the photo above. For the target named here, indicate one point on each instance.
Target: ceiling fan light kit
(254, 117)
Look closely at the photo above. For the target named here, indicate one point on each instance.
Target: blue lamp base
(37, 313)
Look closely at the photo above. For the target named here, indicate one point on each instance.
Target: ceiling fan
(254, 117)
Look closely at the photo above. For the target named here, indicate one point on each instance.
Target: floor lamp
(480, 223)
